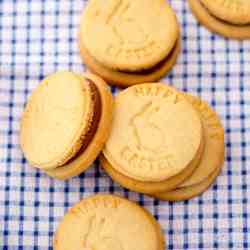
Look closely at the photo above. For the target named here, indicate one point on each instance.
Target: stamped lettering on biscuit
(210, 118)
(158, 91)
(88, 206)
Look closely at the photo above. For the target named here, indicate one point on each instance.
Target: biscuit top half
(128, 35)
(56, 119)
(156, 133)
(232, 11)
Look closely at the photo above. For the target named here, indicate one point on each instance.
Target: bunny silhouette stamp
(97, 236)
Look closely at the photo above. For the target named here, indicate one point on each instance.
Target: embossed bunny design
(148, 137)
(122, 22)
(98, 237)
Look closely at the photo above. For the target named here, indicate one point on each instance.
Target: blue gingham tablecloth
(38, 37)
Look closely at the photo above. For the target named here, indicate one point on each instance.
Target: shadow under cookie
(125, 79)
(217, 25)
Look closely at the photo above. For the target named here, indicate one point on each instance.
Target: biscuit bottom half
(97, 135)
(148, 187)
(217, 25)
(125, 79)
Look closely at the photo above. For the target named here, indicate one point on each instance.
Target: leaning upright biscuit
(229, 18)
(66, 123)
(56, 120)
(101, 129)
(110, 223)
(156, 133)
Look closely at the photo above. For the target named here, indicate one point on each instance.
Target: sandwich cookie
(211, 161)
(156, 133)
(114, 39)
(108, 222)
(63, 123)
(229, 18)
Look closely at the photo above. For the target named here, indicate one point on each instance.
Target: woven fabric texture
(39, 37)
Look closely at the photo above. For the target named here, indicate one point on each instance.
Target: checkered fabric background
(38, 37)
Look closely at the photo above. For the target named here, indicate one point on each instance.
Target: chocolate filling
(157, 66)
(223, 21)
(95, 122)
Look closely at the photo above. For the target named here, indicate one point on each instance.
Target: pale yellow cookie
(84, 159)
(56, 120)
(147, 187)
(128, 35)
(186, 193)
(107, 222)
(217, 25)
(126, 79)
(232, 11)
(214, 143)
(156, 133)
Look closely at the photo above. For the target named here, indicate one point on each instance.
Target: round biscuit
(118, 38)
(56, 119)
(108, 222)
(156, 133)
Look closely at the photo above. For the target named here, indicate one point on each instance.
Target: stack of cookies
(154, 140)
(164, 143)
(129, 42)
(65, 123)
(229, 18)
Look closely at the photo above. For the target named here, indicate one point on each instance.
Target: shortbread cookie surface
(156, 133)
(56, 119)
(107, 222)
(117, 36)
